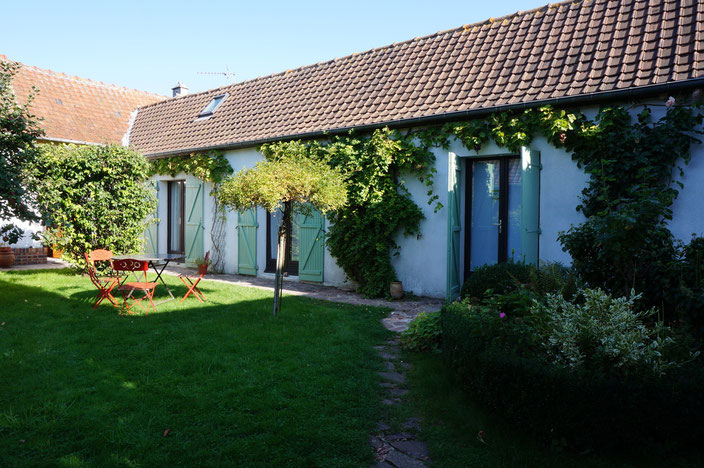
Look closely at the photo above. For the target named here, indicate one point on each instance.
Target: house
(73, 110)
(573, 54)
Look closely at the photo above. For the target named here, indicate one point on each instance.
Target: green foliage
(423, 333)
(289, 175)
(19, 130)
(211, 166)
(502, 363)
(554, 278)
(603, 334)
(361, 235)
(625, 244)
(92, 197)
(10, 234)
(499, 278)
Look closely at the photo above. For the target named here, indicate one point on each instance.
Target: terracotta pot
(7, 257)
(396, 289)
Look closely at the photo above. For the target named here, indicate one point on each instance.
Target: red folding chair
(191, 281)
(105, 284)
(130, 265)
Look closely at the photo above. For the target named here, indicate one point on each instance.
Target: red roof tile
(77, 109)
(566, 49)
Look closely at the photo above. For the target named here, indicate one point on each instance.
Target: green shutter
(194, 221)
(454, 172)
(151, 233)
(311, 242)
(530, 204)
(247, 242)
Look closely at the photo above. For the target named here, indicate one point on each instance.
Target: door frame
(169, 211)
(502, 254)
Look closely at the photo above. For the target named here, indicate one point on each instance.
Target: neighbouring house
(574, 54)
(73, 111)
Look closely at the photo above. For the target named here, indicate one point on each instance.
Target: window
(273, 221)
(212, 106)
(493, 208)
(176, 214)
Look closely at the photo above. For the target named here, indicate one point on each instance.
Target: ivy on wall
(213, 167)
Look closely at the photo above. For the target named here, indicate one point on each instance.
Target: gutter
(73, 142)
(589, 98)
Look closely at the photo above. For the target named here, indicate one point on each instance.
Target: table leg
(159, 278)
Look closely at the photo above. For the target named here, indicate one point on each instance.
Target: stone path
(403, 310)
(397, 449)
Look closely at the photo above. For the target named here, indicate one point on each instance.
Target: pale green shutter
(530, 204)
(311, 242)
(454, 172)
(247, 242)
(151, 233)
(194, 221)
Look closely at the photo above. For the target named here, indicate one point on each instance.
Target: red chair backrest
(98, 255)
(91, 270)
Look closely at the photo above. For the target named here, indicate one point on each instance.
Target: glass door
(273, 223)
(176, 214)
(493, 206)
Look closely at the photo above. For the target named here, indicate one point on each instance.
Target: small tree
(18, 133)
(288, 179)
(92, 197)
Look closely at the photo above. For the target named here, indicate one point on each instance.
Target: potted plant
(9, 235)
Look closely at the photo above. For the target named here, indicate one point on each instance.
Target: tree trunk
(281, 257)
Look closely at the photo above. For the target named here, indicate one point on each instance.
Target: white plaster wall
(29, 228)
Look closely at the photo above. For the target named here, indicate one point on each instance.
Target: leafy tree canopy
(19, 130)
(288, 176)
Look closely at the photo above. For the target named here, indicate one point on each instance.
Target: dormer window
(212, 106)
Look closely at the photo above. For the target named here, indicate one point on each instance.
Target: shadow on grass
(219, 383)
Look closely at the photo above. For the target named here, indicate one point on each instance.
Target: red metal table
(156, 261)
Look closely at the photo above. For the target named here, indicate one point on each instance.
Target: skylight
(212, 106)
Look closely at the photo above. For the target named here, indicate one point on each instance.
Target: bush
(423, 333)
(502, 364)
(92, 197)
(602, 334)
(554, 278)
(500, 278)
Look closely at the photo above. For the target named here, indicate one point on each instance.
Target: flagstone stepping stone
(388, 384)
(412, 424)
(393, 377)
(390, 401)
(389, 366)
(388, 356)
(412, 447)
(401, 460)
(382, 426)
(398, 436)
(383, 464)
(398, 392)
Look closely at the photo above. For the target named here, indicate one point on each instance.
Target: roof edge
(641, 91)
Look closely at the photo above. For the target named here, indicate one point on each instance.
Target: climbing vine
(211, 167)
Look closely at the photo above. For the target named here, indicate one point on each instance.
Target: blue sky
(150, 45)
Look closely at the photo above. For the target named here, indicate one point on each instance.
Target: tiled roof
(77, 109)
(562, 50)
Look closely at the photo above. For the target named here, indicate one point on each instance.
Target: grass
(220, 383)
(452, 422)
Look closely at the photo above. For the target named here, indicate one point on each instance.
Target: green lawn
(231, 384)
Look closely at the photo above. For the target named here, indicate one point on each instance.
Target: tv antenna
(227, 73)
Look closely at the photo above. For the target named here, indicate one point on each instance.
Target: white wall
(421, 263)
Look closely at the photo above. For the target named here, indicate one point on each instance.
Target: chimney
(180, 89)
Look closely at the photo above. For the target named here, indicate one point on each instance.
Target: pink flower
(670, 102)
(502, 315)
(563, 137)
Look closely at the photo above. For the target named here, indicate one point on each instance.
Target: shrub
(602, 334)
(92, 197)
(587, 410)
(423, 333)
(554, 278)
(500, 278)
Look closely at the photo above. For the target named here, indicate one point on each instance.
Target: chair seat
(187, 275)
(137, 285)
